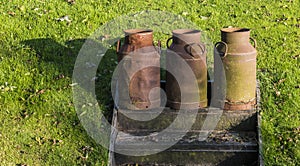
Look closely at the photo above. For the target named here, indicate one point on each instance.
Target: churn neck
(187, 36)
(142, 37)
(235, 35)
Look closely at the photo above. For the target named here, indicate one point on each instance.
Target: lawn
(39, 45)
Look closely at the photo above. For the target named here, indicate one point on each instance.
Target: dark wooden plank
(229, 120)
(190, 158)
(216, 141)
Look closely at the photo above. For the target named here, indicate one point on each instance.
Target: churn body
(138, 71)
(239, 62)
(186, 44)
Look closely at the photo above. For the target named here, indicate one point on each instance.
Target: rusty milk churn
(139, 71)
(186, 44)
(239, 61)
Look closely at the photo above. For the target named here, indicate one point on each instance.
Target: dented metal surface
(139, 71)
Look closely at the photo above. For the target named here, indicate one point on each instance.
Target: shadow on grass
(63, 56)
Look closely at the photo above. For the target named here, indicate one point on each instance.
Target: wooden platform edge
(259, 135)
(113, 136)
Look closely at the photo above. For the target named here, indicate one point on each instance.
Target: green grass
(39, 125)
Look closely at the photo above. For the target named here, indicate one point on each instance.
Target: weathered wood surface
(220, 141)
(235, 144)
(236, 139)
(230, 120)
(172, 158)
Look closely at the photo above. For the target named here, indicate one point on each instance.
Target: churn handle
(254, 41)
(159, 46)
(168, 41)
(226, 47)
(190, 51)
(118, 46)
(202, 46)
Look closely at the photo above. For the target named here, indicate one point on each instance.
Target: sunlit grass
(39, 125)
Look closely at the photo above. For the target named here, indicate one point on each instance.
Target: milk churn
(186, 43)
(138, 71)
(239, 61)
